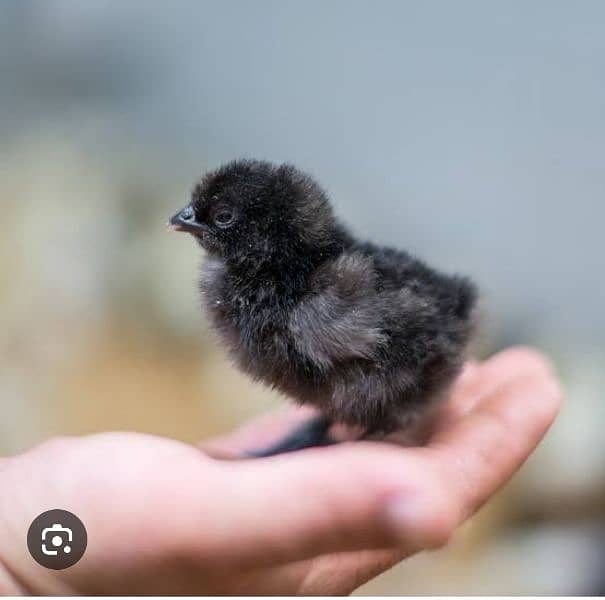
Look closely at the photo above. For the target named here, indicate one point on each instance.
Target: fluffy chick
(369, 335)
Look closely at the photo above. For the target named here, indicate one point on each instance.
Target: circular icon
(57, 539)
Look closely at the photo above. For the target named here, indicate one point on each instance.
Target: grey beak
(184, 220)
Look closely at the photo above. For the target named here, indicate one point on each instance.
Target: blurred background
(471, 133)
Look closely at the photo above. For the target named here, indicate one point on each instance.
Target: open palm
(165, 518)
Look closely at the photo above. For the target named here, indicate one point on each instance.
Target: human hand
(164, 518)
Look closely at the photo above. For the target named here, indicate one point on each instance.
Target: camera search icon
(57, 539)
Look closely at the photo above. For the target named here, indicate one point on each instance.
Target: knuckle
(436, 522)
(439, 523)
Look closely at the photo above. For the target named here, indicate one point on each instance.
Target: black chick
(369, 335)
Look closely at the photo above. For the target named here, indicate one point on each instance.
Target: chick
(369, 335)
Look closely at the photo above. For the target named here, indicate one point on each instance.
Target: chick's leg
(311, 433)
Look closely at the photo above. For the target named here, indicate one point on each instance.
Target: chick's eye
(223, 218)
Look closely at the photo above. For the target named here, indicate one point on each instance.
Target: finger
(478, 380)
(341, 574)
(319, 501)
(512, 362)
(326, 575)
(482, 450)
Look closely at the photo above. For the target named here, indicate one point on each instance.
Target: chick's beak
(184, 220)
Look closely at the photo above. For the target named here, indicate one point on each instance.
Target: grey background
(471, 132)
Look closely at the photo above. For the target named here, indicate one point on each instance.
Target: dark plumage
(369, 335)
